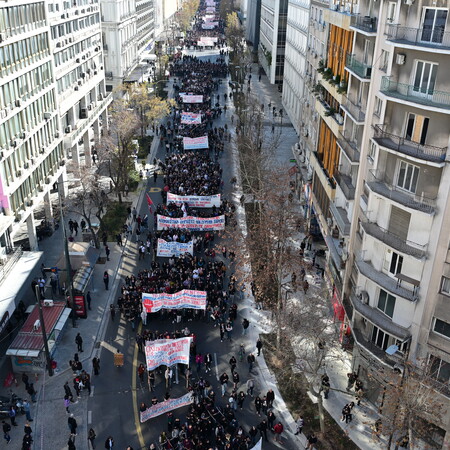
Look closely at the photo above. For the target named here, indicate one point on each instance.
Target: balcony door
(433, 26)
(424, 79)
(417, 128)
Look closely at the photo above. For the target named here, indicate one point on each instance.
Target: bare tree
(234, 34)
(116, 149)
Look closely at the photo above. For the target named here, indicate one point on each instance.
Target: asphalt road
(118, 391)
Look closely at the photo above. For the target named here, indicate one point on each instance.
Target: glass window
(386, 303)
(445, 285)
(441, 327)
(407, 176)
(439, 369)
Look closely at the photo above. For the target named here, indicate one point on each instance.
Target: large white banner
(209, 25)
(190, 118)
(166, 249)
(167, 352)
(195, 143)
(190, 98)
(191, 223)
(186, 298)
(194, 201)
(166, 406)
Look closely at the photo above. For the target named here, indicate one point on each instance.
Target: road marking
(89, 417)
(92, 391)
(137, 422)
(215, 366)
(155, 189)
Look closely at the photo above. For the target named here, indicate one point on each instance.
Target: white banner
(195, 201)
(186, 298)
(207, 41)
(209, 25)
(195, 143)
(165, 407)
(167, 352)
(189, 98)
(191, 223)
(258, 445)
(166, 249)
(190, 118)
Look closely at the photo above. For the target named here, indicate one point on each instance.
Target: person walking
(72, 423)
(258, 405)
(67, 403)
(91, 438)
(250, 386)
(271, 420)
(141, 371)
(71, 443)
(245, 325)
(106, 279)
(310, 441)
(108, 252)
(223, 383)
(278, 429)
(262, 427)
(208, 362)
(25, 380)
(12, 416)
(233, 363)
(79, 342)
(96, 365)
(300, 424)
(250, 360)
(235, 380)
(32, 392)
(6, 430)
(112, 310)
(89, 299)
(259, 346)
(240, 399)
(270, 397)
(109, 443)
(27, 409)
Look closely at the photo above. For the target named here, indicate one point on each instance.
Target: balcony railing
(396, 242)
(357, 67)
(415, 94)
(9, 262)
(345, 183)
(340, 216)
(436, 38)
(407, 147)
(355, 111)
(377, 183)
(365, 23)
(349, 148)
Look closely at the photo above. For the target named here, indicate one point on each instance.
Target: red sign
(80, 306)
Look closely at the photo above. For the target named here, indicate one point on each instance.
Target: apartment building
(31, 140)
(295, 60)
(145, 13)
(373, 158)
(272, 38)
(76, 44)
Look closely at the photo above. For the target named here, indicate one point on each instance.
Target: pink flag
(149, 203)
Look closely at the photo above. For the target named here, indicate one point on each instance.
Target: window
(439, 369)
(380, 338)
(441, 327)
(378, 106)
(433, 26)
(372, 151)
(386, 303)
(445, 285)
(424, 78)
(384, 60)
(416, 128)
(391, 12)
(396, 263)
(407, 176)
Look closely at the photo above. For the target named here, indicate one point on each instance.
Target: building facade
(79, 72)
(272, 38)
(374, 177)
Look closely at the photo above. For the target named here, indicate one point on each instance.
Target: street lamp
(44, 333)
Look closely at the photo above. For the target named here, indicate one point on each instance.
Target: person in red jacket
(278, 429)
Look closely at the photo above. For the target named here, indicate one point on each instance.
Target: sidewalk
(365, 415)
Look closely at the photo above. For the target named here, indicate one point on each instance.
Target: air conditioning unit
(48, 303)
(100, 97)
(68, 129)
(42, 151)
(18, 102)
(78, 60)
(76, 88)
(57, 135)
(63, 16)
(89, 107)
(364, 297)
(18, 173)
(400, 59)
(409, 2)
(399, 368)
(26, 165)
(3, 114)
(83, 113)
(47, 115)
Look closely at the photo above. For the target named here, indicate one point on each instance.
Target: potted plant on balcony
(330, 112)
(342, 88)
(321, 67)
(327, 74)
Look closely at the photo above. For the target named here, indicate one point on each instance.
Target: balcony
(435, 39)
(348, 147)
(354, 111)
(385, 281)
(415, 94)
(368, 346)
(406, 147)
(378, 184)
(340, 216)
(345, 183)
(366, 24)
(356, 67)
(396, 242)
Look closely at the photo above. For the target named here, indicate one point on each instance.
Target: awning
(85, 251)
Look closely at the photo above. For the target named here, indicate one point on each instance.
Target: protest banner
(166, 249)
(190, 118)
(189, 98)
(194, 201)
(186, 298)
(209, 25)
(195, 143)
(167, 352)
(191, 223)
(165, 407)
(207, 41)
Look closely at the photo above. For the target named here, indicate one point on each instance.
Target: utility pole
(44, 333)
